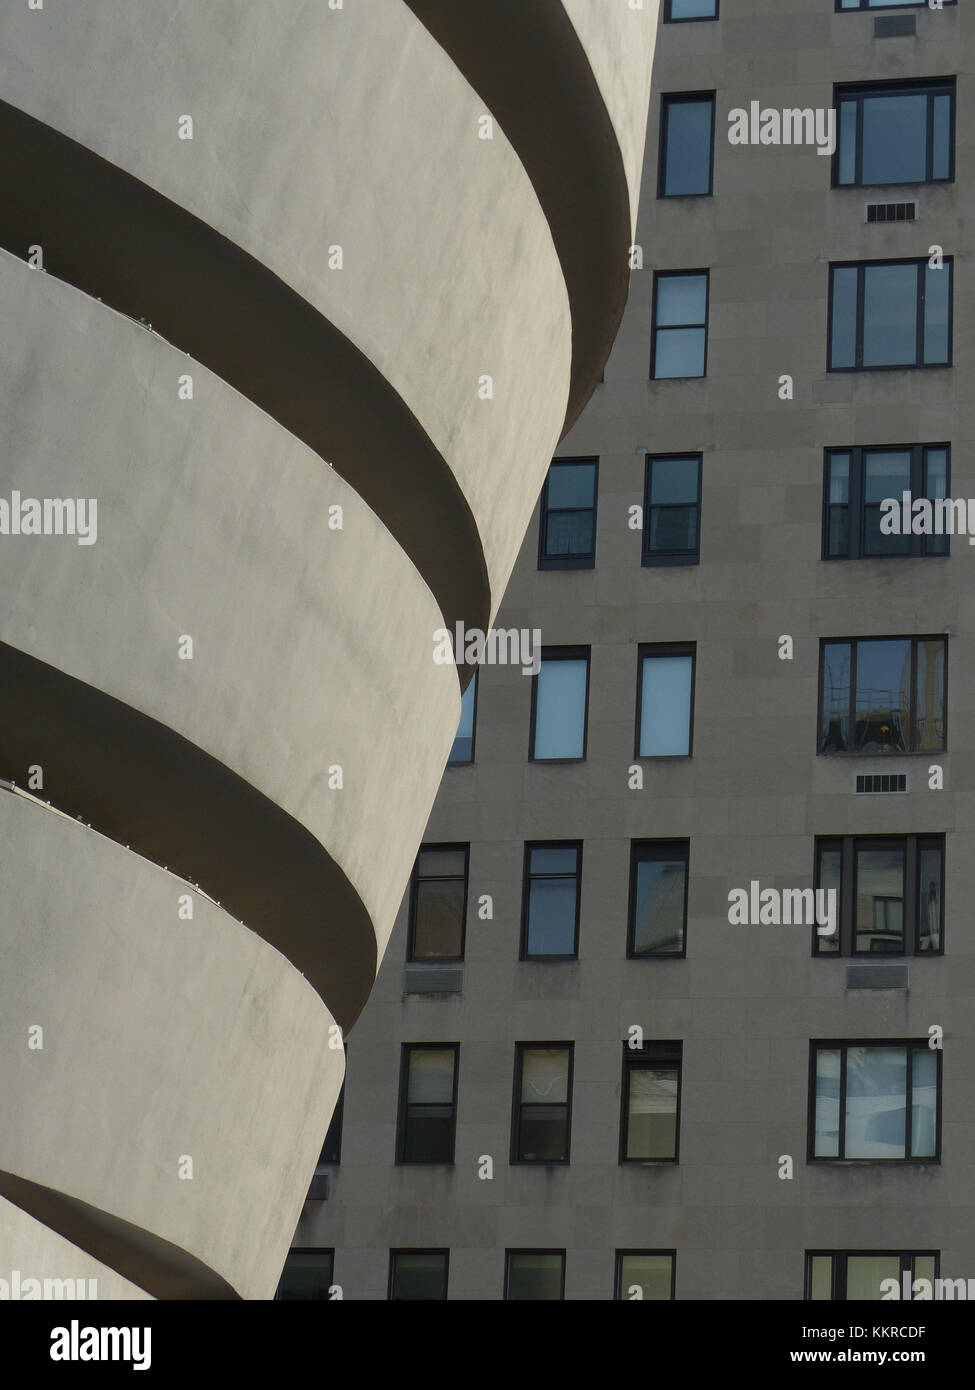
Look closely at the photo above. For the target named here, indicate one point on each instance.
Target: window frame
(394, 1255)
(618, 1279)
(667, 101)
(466, 762)
(531, 1250)
(649, 649)
(654, 327)
(576, 653)
(921, 263)
(690, 19)
(844, 1044)
(664, 1053)
(402, 1115)
(527, 878)
(838, 1277)
(860, 91)
(914, 639)
(858, 455)
(517, 1105)
(651, 559)
(636, 859)
(411, 957)
(848, 845)
(567, 562)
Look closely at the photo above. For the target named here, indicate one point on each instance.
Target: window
(645, 1274)
(875, 1100)
(676, 11)
(858, 1275)
(418, 1275)
(567, 533)
(332, 1147)
(560, 699)
(858, 481)
(543, 1087)
(680, 318)
(894, 132)
(882, 4)
(550, 915)
(438, 903)
(890, 891)
(462, 748)
(686, 144)
(672, 509)
(651, 1102)
(883, 695)
(537, 1274)
(428, 1104)
(658, 898)
(307, 1274)
(665, 699)
(889, 314)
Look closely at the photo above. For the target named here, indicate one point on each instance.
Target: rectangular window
(567, 531)
(859, 1275)
(883, 695)
(462, 749)
(686, 144)
(677, 11)
(543, 1091)
(680, 324)
(665, 700)
(879, 1101)
(535, 1274)
(651, 1103)
(332, 1147)
(889, 314)
(658, 898)
(560, 699)
(307, 1274)
(550, 910)
(645, 1274)
(672, 509)
(856, 484)
(438, 903)
(428, 1103)
(890, 891)
(884, 4)
(418, 1275)
(894, 132)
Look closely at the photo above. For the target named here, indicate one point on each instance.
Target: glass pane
(839, 478)
(895, 137)
(889, 315)
(658, 925)
(441, 863)
(931, 695)
(936, 473)
(463, 745)
(924, 1267)
(941, 160)
(534, 1276)
(835, 702)
(307, 1274)
(560, 709)
(439, 925)
(431, 1079)
(571, 484)
(820, 1277)
(847, 142)
(673, 530)
(865, 1275)
(673, 480)
(552, 917)
(827, 1141)
(651, 1130)
(681, 299)
(569, 533)
(843, 326)
(688, 148)
(937, 284)
(680, 352)
(887, 474)
(419, 1276)
(665, 715)
(692, 9)
(645, 1276)
(929, 879)
(554, 860)
(429, 1134)
(333, 1139)
(829, 879)
(876, 1087)
(545, 1075)
(924, 1102)
(883, 696)
(544, 1134)
(880, 899)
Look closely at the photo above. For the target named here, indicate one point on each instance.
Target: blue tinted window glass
(890, 315)
(844, 318)
(560, 709)
(687, 152)
(895, 138)
(665, 714)
(937, 286)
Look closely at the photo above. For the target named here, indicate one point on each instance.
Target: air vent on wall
(892, 212)
(878, 977)
(895, 26)
(880, 782)
(433, 979)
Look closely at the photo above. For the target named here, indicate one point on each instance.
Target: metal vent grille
(433, 979)
(878, 976)
(892, 212)
(867, 782)
(895, 26)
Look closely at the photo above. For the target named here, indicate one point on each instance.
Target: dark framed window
(665, 700)
(332, 1147)
(856, 484)
(462, 748)
(658, 898)
(686, 163)
(438, 903)
(889, 314)
(560, 705)
(680, 324)
(859, 1275)
(680, 11)
(550, 904)
(418, 1275)
(534, 1274)
(894, 132)
(567, 529)
(428, 1103)
(542, 1117)
(885, 4)
(650, 1121)
(883, 695)
(890, 893)
(307, 1274)
(643, 1275)
(672, 509)
(875, 1101)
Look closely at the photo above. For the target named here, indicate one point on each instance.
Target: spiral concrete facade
(372, 313)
